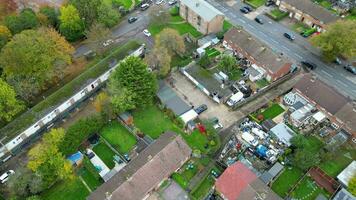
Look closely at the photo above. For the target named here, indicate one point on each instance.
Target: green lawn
(67, 190)
(308, 190)
(202, 189)
(255, 3)
(272, 111)
(126, 3)
(286, 180)
(153, 122)
(212, 52)
(119, 137)
(226, 25)
(184, 175)
(262, 83)
(105, 154)
(89, 179)
(182, 28)
(197, 140)
(277, 15)
(338, 163)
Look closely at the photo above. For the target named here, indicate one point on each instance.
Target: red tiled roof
(234, 181)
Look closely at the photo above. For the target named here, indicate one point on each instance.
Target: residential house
(238, 182)
(203, 16)
(336, 107)
(262, 58)
(147, 171)
(308, 12)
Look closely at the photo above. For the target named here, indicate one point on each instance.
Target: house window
(199, 21)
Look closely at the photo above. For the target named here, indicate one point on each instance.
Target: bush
(80, 131)
(204, 61)
(174, 11)
(220, 35)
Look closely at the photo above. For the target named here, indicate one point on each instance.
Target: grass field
(277, 15)
(286, 180)
(272, 111)
(182, 28)
(105, 154)
(308, 190)
(338, 163)
(226, 25)
(255, 3)
(153, 122)
(89, 179)
(66, 190)
(119, 137)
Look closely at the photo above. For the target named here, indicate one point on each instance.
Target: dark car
(243, 10)
(308, 65)
(289, 36)
(249, 9)
(259, 20)
(201, 109)
(269, 3)
(132, 19)
(350, 68)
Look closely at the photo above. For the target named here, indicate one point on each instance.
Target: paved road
(272, 34)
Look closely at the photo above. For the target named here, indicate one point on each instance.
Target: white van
(249, 139)
(5, 176)
(235, 98)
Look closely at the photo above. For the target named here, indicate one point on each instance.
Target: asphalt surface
(300, 49)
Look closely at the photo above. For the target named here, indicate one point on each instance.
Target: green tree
(352, 185)
(88, 10)
(107, 15)
(71, 25)
(46, 160)
(304, 159)
(51, 14)
(96, 36)
(27, 19)
(5, 36)
(298, 141)
(338, 40)
(205, 61)
(227, 63)
(132, 83)
(34, 57)
(171, 40)
(159, 59)
(9, 105)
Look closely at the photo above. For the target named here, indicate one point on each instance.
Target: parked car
(269, 3)
(132, 19)
(108, 42)
(172, 2)
(249, 9)
(147, 33)
(350, 68)
(258, 20)
(244, 10)
(289, 36)
(201, 109)
(145, 6)
(159, 2)
(309, 65)
(5, 176)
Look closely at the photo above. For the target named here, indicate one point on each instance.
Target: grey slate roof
(170, 99)
(263, 54)
(316, 11)
(269, 175)
(202, 8)
(142, 174)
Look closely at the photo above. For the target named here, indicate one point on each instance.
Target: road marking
(300, 57)
(342, 83)
(326, 73)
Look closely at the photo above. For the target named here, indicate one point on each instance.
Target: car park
(144, 6)
(308, 65)
(147, 33)
(200, 109)
(350, 68)
(258, 20)
(172, 2)
(289, 36)
(5, 176)
(132, 19)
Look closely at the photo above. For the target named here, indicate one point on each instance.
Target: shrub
(80, 131)
(174, 11)
(204, 61)
(220, 35)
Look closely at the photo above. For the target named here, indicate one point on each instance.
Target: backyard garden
(202, 189)
(277, 14)
(272, 110)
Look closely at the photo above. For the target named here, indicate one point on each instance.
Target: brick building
(275, 65)
(307, 12)
(202, 16)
